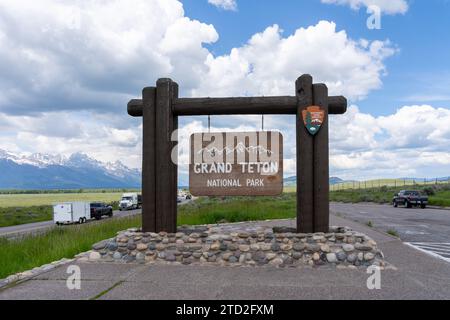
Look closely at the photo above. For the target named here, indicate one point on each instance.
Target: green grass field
(43, 199)
(64, 242)
(23, 208)
(439, 195)
(22, 215)
(235, 209)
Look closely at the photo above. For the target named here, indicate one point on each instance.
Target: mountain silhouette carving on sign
(240, 147)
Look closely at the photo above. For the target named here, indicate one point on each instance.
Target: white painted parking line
(440, 250)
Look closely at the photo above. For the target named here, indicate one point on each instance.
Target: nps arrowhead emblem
(313, 118)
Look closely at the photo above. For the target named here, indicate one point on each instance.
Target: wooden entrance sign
(160, 107)
(236, 164)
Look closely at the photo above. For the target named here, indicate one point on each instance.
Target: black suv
(99, 209)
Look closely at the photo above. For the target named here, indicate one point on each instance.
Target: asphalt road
(14, 231)
(412, 225)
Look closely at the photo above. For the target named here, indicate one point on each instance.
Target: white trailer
(71, 212)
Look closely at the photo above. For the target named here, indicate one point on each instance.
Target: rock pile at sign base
(212, 245)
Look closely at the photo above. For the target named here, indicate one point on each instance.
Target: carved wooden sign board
(236, 164)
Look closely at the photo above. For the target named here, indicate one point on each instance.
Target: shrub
(429, 191)
(114, 205)
(393, 232)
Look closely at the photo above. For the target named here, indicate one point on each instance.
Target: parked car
(409, 199)
(71, 212)
(99, 209)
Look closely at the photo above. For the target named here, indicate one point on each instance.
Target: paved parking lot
(412, 225)
(425, 229)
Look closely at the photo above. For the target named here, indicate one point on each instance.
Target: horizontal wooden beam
(227, 106)
(242, 105)
(135, 108)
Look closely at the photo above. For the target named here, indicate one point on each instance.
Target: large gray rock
(94, 256)
(100, 245)
(170, 257)
(275, 247)
(351, 258)
(313, 247)
(348, 247)
(299, 246)
(131, 246)
(112, 246)
(341, 256)
(331, 257)
(363, 246)
(284, 230)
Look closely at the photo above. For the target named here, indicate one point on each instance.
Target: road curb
(439, 208)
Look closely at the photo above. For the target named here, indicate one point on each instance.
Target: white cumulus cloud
(269, 63)
(224, 4)
(413, 141)
(94, 54)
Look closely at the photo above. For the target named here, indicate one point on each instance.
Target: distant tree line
(51, 191)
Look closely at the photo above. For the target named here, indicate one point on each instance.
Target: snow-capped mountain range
(46, 171)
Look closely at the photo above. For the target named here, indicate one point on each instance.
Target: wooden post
(166, 169)
(305, 175)
(160, 108)
(321, 164)
(149, 160)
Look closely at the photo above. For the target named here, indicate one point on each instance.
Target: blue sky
(67, 73)
(421, 67)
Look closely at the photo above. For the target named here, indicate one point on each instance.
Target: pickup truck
(99, 209)
(408, 199)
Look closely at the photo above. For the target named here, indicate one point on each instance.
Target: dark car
(139, 201)
(99, 209)
(409, 199)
